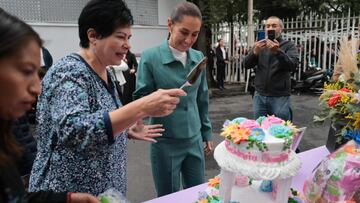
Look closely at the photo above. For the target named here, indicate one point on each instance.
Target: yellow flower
(356, 123)
(350, 87)
(353, 100)
(332, 86)
(345, 99)
(349, 117)
(213, 182)
(228, 130)
(291, 126)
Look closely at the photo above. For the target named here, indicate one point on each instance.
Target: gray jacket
(273, 71)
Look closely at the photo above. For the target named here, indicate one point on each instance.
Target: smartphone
(271, 35)
(260, 35)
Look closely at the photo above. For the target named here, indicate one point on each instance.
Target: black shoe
(223, 88)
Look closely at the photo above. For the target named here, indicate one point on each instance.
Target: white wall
(63, 39)
(164, 8)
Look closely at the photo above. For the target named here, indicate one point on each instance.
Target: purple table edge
(309, 159)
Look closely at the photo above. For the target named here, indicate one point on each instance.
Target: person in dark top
(275, 60)
(19, 87)
(130, 77)
(221, 61)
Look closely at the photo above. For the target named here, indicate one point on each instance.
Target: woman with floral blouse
(81, 132)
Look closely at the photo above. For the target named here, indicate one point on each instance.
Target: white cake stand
(280, 173)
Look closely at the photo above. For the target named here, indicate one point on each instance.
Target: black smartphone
(260, 35)
(271, 35)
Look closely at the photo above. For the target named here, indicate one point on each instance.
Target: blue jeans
(278, 106)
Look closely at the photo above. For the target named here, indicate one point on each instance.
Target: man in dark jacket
(221, 61)
(274, 60)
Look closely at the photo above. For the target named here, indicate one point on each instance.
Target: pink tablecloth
(310, 159)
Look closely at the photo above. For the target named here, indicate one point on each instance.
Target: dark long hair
(14, 35)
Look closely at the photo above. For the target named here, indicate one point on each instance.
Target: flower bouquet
(340, 101)
(337, 177)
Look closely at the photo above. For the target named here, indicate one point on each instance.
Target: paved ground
(226, 104)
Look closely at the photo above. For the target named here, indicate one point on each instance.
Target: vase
(332, 142)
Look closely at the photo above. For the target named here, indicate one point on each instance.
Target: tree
(203, 43)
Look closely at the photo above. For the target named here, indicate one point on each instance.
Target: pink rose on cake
(271, 120)
(249, 124)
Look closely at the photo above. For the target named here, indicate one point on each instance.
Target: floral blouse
(76, 149)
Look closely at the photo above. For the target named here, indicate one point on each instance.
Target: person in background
(19, 87)
(83, 128)
(221, 61)
(47, 59)
(119, 79)
(130, 77)
(275, 61)
(188, 129)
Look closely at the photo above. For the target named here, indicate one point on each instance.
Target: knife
(194, 73)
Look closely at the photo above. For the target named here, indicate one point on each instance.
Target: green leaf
(318, 119)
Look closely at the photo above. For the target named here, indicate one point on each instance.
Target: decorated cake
(212, 192)
(259, 150)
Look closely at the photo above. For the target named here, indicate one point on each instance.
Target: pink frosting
(249, 124)
(241, 181)
(249, 156)
(270, 120)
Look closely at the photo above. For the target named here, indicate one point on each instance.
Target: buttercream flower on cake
(228, 129)
(241, 134)
(238, 120)
(257, 134)
(249, 124)
(214, 182)
(260, 119)
(280, 131)
(271, 120)
(235, 132)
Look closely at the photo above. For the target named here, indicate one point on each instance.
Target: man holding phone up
(274, 59)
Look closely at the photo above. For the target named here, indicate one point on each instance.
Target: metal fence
(317, 38)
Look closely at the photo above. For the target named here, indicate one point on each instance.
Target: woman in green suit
(181, 148)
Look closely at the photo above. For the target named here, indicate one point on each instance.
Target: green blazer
(158, 69)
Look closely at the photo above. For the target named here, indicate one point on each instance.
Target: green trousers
(170, 157)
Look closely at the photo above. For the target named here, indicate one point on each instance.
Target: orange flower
(213, 182)
(240, 134)
(203, 201)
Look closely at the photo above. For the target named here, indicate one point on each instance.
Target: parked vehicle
(312, 80)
